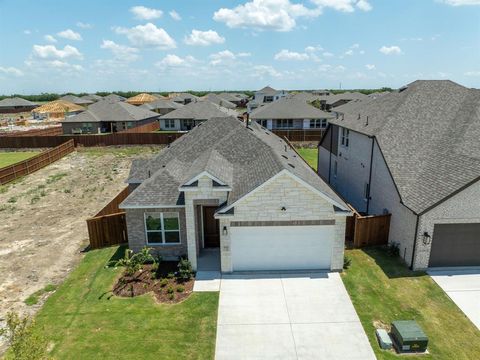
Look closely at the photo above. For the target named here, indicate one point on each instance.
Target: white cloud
(175, 61)
(244, 54)
(344, 5)
(472, 73)
(461, 2)
(204, 38)
(70, 35)
(339, 68)
(265, 71)
(145, 13)
(285, 55)
(27, 32)
(222, 57)
(174, 15)
(278, 15)
(50, 38)
(11, 71)
(355, 46)
(120, 52)
(390, 50)
(327, 54)
(147, 35)
(349, 52)
(83, 25)
(370, 66)
(51, 52)
(312, 49)
(65, 65)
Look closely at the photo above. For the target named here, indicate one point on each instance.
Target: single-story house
(92, 97)
(239, 189)
(330, 102)
(291, 112)
(216, 99)
(183, 98)
(105, 117)
(192, 114)
(114, 98)
(76, 100)
(16, 105)
(413, 153)
(265, 96)
(141, 99)
(162, 106)
(240, 100)
(56, 110)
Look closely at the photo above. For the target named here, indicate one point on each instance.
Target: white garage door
(281, 247)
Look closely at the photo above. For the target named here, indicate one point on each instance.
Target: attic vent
(402, 89)
(285, 148)
(163, 166)
(149, 173)
(291, 165)
(285, 157)
(366, 123)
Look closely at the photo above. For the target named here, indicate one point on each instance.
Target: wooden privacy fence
(300, 134)
(146, 128)
(50, 131)
(109, 226)
(22, 168)
(367, 230)
(89, 140)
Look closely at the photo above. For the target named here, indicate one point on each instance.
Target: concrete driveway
(463, 287)
(288, 316)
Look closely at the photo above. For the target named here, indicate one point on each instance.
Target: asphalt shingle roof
(241, 157)
(76, 100)
(15, 101)
(429, 135)
(161, 104)
(114, 97)
(200, 110)
(348, 96)
(290, 107)
(219, 101)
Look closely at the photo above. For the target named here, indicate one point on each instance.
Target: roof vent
(366, 123)
(285, 148)
(359, 116)
(149, 174)
(402, 89)
(291, 165)
(285, 157)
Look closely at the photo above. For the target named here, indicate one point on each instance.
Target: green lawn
(9, 158)
(383, 289)
(310, 156)
(85, 321)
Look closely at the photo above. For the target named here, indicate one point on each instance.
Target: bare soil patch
(161, 282)
(42, 219)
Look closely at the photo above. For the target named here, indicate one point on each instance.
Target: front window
(169, 123)
(263, 123)
(318, 123)
(284, 124)
(345, 137)
(162, 228)
(268, 99)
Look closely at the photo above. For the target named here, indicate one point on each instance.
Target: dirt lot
(42, 219)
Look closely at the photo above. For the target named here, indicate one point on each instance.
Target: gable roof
(267, 89)
(58, 106)
(114, 97)
(200, 110)
(141, 99)
(290, 107)
(347, 96)
(214, 98)
(76, 100)
(112, 111)
(16, 101)
(181, 97)
(161, 104)
(243, 158)
(91, 97)
(230, 96)
(429, 135)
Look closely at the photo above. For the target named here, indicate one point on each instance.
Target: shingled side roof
(290, 107)
(429, 135)
(199, 110)
(243, 158)
(16, 101)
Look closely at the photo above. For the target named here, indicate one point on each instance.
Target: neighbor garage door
(281, 247)
(455, 245)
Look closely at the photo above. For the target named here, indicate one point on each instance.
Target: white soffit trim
(207, 174)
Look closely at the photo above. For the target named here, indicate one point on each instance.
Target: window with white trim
(284, 123)
(169, 123)
(345, 141)
(318, 123)
(162, 228)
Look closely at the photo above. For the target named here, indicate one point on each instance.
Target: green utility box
(408, 336)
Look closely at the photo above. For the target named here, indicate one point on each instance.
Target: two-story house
(265, 96)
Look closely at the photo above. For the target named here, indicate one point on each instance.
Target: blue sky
(60, 46)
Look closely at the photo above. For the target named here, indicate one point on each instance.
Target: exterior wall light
(427, 239)
(225, 230)
(283, 208)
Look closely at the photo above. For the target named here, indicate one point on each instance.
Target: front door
(211, 231)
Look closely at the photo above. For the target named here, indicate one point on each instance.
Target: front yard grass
(382, 289)
(83, 320)
(10, 158)
(310, 156)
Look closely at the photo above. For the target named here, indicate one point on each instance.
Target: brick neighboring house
(16, 105)
(240, 190)
(414, 153)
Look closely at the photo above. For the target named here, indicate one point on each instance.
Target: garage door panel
(281, 247)
(455, 245)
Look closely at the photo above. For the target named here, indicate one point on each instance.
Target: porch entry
(211, 229)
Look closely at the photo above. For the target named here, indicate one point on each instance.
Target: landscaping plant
(185, 271)
(134, 262)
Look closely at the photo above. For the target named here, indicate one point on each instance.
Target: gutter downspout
(414, 244)
(330, 155)
(370, 176)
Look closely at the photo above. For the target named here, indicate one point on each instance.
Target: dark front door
(211, 232)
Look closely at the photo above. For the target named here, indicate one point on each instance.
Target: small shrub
(12, 200)
(171, 296)
(170, 290)
(171, 275)
(185, 271)
(67, 191)
(393, 249)
(163, 282)
(134, 262)
(34, 200)
(346, 262)
(43, 193)
(180, 289)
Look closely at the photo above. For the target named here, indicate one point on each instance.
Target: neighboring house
(240, 100)
(415, 154)
(57, 110)
(106, 117)
(192, 114)
(162, 106)
(241, 190)
(76, 100)
(265, 96)
(183, 98)
(114, 98)
(16, 105)
(92, 97)
(218, 100)
(332, 101)
(292, 112)
(141, 99)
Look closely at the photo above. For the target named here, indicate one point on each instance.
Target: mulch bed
(156, 281)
